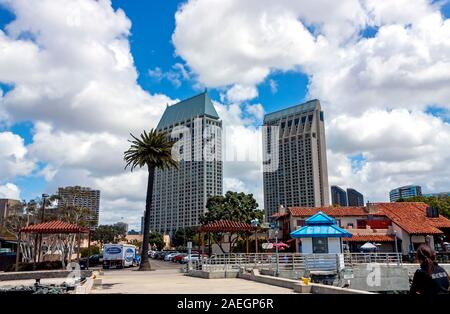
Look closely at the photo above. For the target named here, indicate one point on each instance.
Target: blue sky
(372, 91)
(152, 26)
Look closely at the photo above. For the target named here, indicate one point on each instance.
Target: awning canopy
(54, 227)
(320, 225)
(320, 232)
(226, 226)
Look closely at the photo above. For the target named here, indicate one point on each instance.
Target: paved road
(168, 279)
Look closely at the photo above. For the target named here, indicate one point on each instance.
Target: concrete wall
(377, 278)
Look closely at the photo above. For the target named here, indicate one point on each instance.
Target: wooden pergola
(51, 227)
(225, 226)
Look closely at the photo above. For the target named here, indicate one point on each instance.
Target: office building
(180, 194)
(81, 197)
(294, 158)
(405, 192)
(354, 198)
(338, 196)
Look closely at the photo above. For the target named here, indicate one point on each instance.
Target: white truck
(119, 255)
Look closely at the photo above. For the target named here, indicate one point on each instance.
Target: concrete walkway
(169, 280)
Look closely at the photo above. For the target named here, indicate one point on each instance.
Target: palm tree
(154, 150)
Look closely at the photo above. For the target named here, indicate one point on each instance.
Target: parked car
(178, 258)
(169, 256)
(194, 257)
(94, 260)
(137, 260)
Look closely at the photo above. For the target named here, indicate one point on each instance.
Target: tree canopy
(233, 206)
(441, 202)
(156, 238)
(108, 234)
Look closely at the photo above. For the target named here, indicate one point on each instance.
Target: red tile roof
(370, 238)
(331, 211)
(226, 226)
(411, 217)
(54, 226)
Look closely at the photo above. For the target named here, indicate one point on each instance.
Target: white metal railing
(291, 261)
(365, 258)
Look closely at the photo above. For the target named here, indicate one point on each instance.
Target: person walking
(430, 278)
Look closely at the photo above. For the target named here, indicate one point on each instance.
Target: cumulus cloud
(374, 89)
(72, 73)
(14, 160)
(397, 148)
(10, 190)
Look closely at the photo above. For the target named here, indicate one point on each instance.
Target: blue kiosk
(320, 235)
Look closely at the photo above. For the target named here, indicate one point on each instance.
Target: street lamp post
(44, 197)
(276, 253)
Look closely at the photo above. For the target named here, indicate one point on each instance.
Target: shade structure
(54, 227)
(320, 225)
(227, 226)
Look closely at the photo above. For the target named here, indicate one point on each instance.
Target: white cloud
(72, 74)
(14, 160)
(75, 75)
(10, 191)
(239, 42)
(273, 86)
(373, 90)
(398, 148)
(239, 93)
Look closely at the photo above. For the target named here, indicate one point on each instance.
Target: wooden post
(79, 247)
(246, 240)
(18, 252)
(202, 242)
(35, 251)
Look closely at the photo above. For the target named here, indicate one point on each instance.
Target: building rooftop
(199, 105)
(410, 216)
(320, 225)
(304, 107)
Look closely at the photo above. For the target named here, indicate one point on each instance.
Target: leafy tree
(233, 206)
(184, 235)
(441, 202)
(108, 234)
(156, 238)
(154, 151)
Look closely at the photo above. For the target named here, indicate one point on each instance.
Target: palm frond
(152, 149)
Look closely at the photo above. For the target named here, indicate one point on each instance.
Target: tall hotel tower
(295, 161)
(180, 195)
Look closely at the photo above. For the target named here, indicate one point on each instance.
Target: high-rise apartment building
(81, 197)
(338, 196)
(180, 194)
(405, 192)
(354, 198)
(295, 161)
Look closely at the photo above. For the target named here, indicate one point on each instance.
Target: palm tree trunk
(145, 263)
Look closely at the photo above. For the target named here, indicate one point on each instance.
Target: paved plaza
(167, 279)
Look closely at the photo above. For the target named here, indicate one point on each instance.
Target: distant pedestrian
(430, 278)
